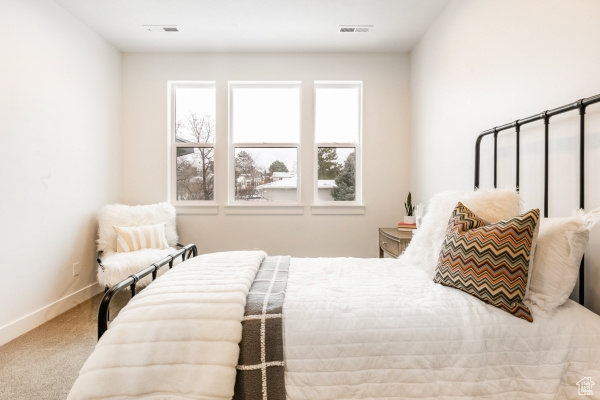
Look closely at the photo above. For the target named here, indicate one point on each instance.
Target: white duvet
(178, 338)
(364, 328)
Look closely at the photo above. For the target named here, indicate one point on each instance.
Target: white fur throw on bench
(119, 266)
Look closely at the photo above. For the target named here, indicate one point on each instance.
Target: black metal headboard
(579, 105)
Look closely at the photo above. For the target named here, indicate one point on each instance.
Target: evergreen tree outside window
(278, 166)
(338, 137)
(345, 181)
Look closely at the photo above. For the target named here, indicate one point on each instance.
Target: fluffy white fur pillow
(560, 246)
(123, 215)
(491, 205)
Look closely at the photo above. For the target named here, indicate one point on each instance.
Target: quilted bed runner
(178, 338)
(260, 370)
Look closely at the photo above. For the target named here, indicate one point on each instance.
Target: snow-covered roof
(292, 183)
(326, 184)
(285, 183)
(283, 175)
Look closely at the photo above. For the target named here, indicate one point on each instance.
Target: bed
(476, 308)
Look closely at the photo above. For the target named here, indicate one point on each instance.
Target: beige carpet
(44, 363)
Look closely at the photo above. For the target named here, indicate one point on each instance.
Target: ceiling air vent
(161, 28)
(355, 28)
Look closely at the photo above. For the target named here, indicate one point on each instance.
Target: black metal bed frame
(545, 116)
(188, 251)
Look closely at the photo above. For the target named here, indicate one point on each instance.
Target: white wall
(485, 63)
(60, 159)
(385, 133)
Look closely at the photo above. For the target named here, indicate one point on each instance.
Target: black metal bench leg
(107, 311)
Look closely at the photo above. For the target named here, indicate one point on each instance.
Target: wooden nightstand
(392, 241)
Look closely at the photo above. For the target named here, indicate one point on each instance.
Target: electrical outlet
(76, 269)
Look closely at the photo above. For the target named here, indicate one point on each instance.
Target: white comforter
(354, 328)
(178, 338)
(360, 328)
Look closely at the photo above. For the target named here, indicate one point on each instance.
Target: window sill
(243, 209)
(337, 209)
(208, 209)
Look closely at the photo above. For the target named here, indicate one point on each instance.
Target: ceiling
(258, 25)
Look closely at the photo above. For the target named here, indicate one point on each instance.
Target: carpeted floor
(44, 363)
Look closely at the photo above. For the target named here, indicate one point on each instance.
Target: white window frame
(339, 207)
(268, 207)
(186, 206)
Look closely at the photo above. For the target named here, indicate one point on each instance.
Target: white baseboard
(23, 325)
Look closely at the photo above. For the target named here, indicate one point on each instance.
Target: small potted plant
(410, 209)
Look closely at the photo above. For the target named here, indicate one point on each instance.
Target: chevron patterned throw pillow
(489, 261)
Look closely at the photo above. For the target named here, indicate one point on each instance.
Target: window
(192, 138)
(338, 121)
(264, 124)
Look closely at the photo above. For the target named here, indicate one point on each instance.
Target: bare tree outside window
(247, 176)
(194, 139)
(195, 165)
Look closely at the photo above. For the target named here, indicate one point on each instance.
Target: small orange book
(406, 227)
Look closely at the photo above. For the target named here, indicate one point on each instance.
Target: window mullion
(178, 144)
(267, 145)
(337, 144)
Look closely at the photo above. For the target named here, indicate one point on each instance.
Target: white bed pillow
(560, 246)
(491, 205)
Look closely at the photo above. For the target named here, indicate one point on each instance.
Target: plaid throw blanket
(260, 370)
